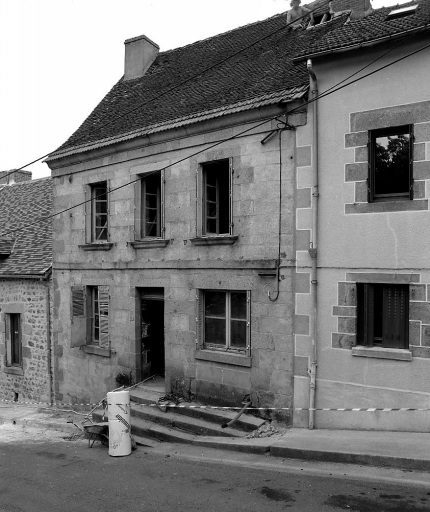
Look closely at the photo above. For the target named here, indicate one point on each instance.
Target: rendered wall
(354, 240)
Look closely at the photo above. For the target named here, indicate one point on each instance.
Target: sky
(59, 58)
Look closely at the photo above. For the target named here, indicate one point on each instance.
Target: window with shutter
(383, 315)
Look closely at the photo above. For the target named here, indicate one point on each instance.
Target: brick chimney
(359, 8)
(15, 177)
(140, 53)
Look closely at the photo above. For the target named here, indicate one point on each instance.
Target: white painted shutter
(104, 316)
(79, 317)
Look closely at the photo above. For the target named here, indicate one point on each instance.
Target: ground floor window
(226, 320)
(90, 316)
(13, 339)
(383, 315)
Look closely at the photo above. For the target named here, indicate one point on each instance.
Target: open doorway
(152, 331)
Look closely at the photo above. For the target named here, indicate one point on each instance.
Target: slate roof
(31, 247)
(265, 73)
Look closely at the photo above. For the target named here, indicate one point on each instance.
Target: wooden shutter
(369, 314)
(365, 314)
(108, 209)
(7, 339)
(104, 316)
(395, 320)
(411, 162)
(138, 209)
(230, 187)
(162, 203)
(88, 212)
(199, 201)
(248, 322)
(79, 317)
(200, 319)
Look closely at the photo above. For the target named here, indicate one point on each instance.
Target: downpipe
(313, 245)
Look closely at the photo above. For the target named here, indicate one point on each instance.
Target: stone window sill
(13, 370)
(396, 354)
(96, 246)
(98, 351)
(223, 357)
(388, 206)
(214, 240)
(150, 243)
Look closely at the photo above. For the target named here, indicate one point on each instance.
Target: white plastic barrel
(119, 423)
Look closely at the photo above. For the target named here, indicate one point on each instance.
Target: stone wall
(182, 267)
(29, 298)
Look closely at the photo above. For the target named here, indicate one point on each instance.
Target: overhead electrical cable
(340, 85)
(171, 89)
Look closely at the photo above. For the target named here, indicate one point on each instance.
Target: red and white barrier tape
(209, 407)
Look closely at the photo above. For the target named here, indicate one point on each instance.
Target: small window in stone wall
(13, 339)
(390, 164)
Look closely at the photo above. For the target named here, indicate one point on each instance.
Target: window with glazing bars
(151, 208)
(226, 320)
(217, 193)
(99, 212)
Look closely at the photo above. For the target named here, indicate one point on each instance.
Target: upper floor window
(217, 198)
(390, 164)
(383, 315)
(99, 212)
(13, 339)
(149, 219)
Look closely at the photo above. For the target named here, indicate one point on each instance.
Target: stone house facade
(25, 288)
(371, 334)
(179, 258)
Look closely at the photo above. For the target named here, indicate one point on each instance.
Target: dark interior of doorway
(152, 336)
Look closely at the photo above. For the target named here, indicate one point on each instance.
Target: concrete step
(246, 423)
(190, 424)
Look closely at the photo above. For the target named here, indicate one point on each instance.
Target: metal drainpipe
(313, 244)
(48, 339)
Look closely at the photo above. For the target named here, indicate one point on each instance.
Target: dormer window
(402, 12)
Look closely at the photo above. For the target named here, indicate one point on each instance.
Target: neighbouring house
(25, 287)
(371, 330)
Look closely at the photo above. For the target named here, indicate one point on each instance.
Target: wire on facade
(171, 89)
(324, 94)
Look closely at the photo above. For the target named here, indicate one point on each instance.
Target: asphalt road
(66, 476)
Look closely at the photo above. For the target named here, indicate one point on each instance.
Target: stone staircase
(186, 424)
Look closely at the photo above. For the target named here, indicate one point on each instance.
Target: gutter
(357, 46)
(313, 244)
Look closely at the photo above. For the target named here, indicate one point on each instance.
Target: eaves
(284, 96)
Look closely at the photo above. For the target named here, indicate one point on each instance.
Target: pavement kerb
(276, 446)
(350, 458)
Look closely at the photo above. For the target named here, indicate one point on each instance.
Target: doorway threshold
(156, 383)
